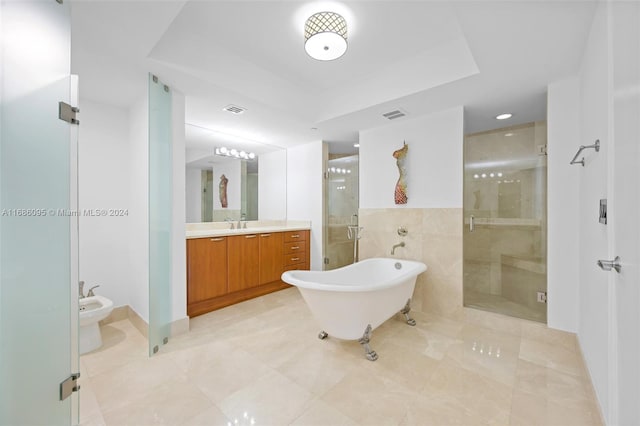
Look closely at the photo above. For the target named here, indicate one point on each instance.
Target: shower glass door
(505, 225)
(342, 210)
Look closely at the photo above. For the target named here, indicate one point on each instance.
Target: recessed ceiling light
(356, 145)
(504, 116)
(508, 134)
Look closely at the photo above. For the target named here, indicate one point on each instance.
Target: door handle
(607, 265)
(472, 224)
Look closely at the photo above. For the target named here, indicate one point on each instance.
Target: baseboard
(119, 313)
(138, 322)
(587, 373)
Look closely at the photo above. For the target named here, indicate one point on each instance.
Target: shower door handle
(472, 224)
(607, 265)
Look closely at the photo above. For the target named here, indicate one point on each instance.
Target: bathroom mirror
(222, 189)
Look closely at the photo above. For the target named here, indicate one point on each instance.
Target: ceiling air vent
(392, 115)
(234, 109)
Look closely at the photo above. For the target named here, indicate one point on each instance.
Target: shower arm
(595, 146)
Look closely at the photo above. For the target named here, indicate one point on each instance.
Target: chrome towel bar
(596, 146)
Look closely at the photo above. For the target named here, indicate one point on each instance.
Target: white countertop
(252, 228)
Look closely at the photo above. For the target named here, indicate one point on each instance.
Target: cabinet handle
(295, 236)
(265, 235)
(250, 236)
(295, 248)
(295, 258)
(217, 239)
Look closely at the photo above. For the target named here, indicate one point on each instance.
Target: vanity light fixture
(504, 116)
(226, 152)
(325, 36)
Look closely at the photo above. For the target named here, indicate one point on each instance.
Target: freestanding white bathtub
(350, 302)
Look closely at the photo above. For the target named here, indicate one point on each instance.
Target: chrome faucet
(395, 246)
(228, 219)
(81, 290)
(91, 294)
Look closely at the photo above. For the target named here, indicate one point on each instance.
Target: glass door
(38, 216)
(342, 210)
(505, 225)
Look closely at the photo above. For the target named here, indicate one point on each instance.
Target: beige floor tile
(320, 413)
(228, 372)
(405, 365)
(319, 367)
(210, 416)
(126, 384)
(262, 358)
(370, 399)
(270, 400)
(121, 344)
(485, 399)
(493, 321)
(168, 404)
(93, 420)
(89, 406)
(540, 332)
(562, 388)
(487, 352)
(552, 356)
(529, 409)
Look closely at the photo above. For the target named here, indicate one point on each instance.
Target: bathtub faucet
(395, 246)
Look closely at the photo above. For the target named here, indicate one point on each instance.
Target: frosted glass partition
(160, 184)
(505, 227)
(38, 334)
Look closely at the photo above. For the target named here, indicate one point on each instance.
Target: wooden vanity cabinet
(243, 262)
(271, 267)
(222, 271)
(206, 268)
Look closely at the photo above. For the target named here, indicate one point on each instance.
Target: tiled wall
(434, 237)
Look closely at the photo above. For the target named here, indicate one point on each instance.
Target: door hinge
(325, 175)
(69, 386)
(326, 260)
(542, 297)
(542, 149)
(68, 113)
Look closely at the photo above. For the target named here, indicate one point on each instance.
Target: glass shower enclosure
(505, 221)
(341, 211)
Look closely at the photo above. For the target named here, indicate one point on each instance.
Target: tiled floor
(260, 362)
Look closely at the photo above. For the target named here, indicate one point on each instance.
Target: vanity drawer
(293, 236)
(295, 247)
(294, 258)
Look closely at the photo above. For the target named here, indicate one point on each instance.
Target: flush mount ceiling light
(226, 152)
(504, 116)
(325, 35)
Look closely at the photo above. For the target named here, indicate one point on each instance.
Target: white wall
(305, 187)
(232, 171)
(179, 249)
(104, 184)
(563, 110)
(272, 186)
(433, 164)
(193, 183)
(138, 164)
(594, 124)
(578, 291)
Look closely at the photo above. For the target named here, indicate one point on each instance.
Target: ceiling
(417, 56)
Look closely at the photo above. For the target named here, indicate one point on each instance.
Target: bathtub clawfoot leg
(405, 311)
(322, 335)
(364, 341)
